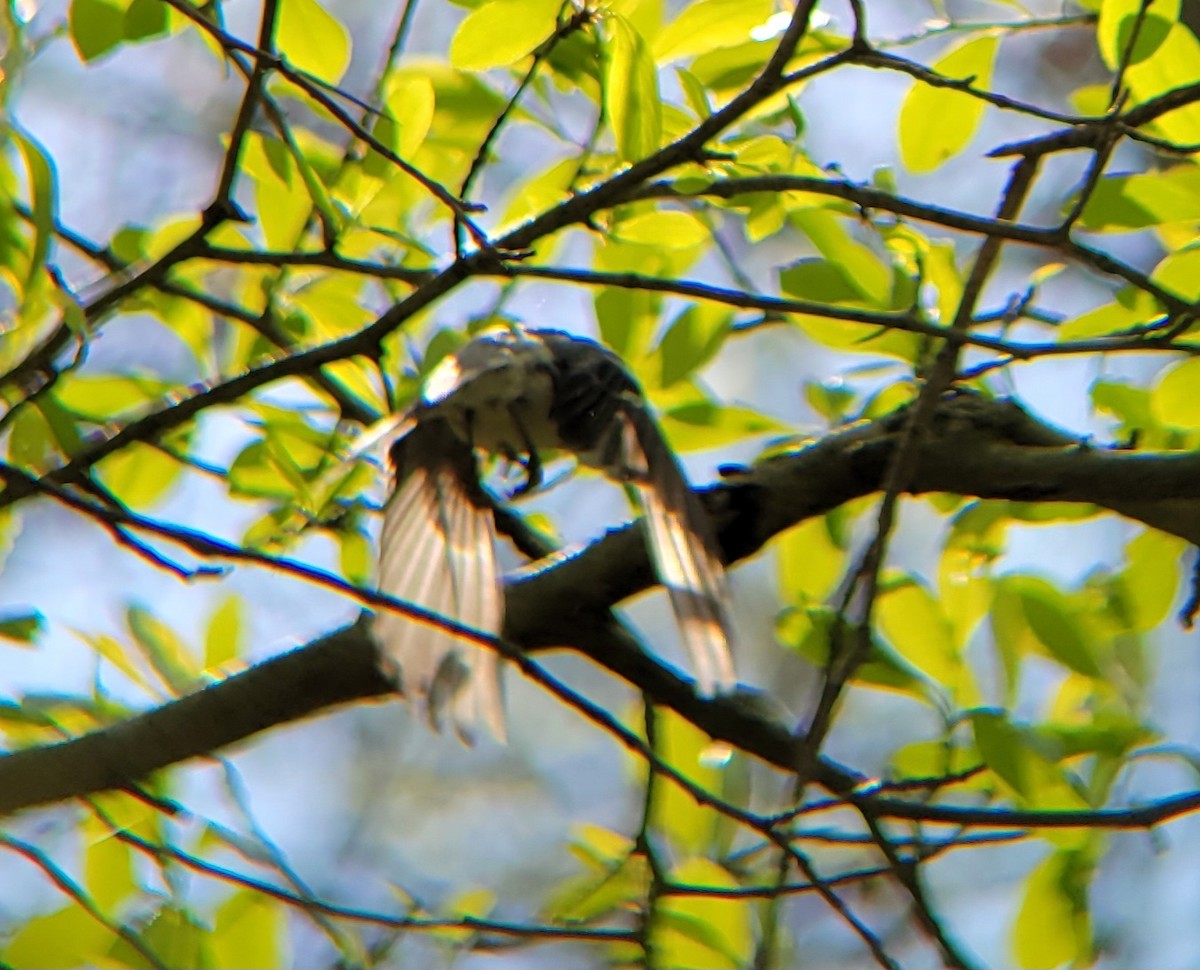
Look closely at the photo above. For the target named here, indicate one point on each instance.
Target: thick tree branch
(990, 449)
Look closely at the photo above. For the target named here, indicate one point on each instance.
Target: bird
(518, 392)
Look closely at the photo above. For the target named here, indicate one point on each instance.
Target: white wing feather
(437, 551)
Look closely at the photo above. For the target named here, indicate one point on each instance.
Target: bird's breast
(504, 407)
(516, 419)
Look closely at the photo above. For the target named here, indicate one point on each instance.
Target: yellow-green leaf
(163, 649)
(1151, 577)
(631, 91)
(69, 937)
(703, 931)
(312, 39)
(249, 933)
(502, 31)
(108, 872)
(1131, 31)
(224, 638)
(1053, 927)
(1174, 401)
(670, 228)
(937, 123)
(690, 826)
(139, 474)
(710, 25)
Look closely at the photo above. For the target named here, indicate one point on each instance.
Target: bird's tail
(438, 552)
(685, 551)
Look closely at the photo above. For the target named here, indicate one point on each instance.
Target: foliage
(641, 157)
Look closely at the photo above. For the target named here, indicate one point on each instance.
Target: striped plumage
(517, 392)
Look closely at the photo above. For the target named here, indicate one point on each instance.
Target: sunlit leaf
(108, 872)
(937, 123)
(710, 25)
(1053, 926)
(224, 638)
(139, 475)
(249, 932)
(631, 90)
(69, 937)
(500, 32)
(1124, 203)
(1174, 401)
(312, 39)
(1131, 31)
(163, 650)
(703, 931)
(1151, 577)
(690, 826)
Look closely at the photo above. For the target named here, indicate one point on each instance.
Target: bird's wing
(601, 415)
(437, 551)
(684, 548)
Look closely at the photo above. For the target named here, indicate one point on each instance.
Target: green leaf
(312, 39)
(627, 319)
(1053, 927)
(411, 107)
(1172, 65)
(709, 25)
(69, 937)
(867, 275)
(108, 872)
(1057, 627)
(1179, 272)
(1012, 753)
(281, 199)
(693, 421)
(914, 623)
(614, 876)
(249, 933)
(691, 827)
(809, 562)
(703, 931)
(356, 557)
(1174, 401)
(821, 281)
(1131, 308)
(43, 192)
(1127, 36)
(163, 650)
(174, 936)
(670, 228)
(477, 903)
(224, 639)
(96, 27)
(1151, 577)
(810, 632)
(104, 399)
(115, 653)
(695, 93)
(631, 91)
(145, 19)
(938, 123)
(1129, 405)
(22, 626)
(139, 474)
(501, 32)
(691, 341)
(1127, 203)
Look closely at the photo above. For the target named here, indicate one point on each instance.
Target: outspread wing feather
(684, 550)
(600, 415)
(437, 551)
